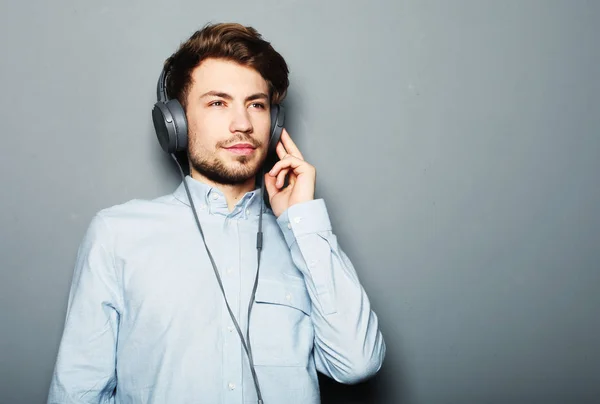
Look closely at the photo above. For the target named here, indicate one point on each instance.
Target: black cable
(247, 348)
(259, 240)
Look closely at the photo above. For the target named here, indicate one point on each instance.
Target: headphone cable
(259, 240)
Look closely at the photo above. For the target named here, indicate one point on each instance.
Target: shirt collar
(210, 199)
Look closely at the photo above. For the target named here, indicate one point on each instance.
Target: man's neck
(233, 193)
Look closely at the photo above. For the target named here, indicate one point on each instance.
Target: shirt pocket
(281, 332)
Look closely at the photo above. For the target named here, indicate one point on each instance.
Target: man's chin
(228, 174)
(248, 164)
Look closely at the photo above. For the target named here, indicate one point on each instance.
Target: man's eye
(216, 103)
(258, 105)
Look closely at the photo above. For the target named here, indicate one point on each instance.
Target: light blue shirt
(146, 315)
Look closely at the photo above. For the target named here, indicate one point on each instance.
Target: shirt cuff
(304, 218)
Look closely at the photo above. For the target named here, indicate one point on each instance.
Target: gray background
(457, 146)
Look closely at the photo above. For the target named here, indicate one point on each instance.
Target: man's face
(228, 121)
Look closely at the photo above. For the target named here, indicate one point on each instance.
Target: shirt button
(230, 328)
(215, 196)
(288, 296)
(229, 270)
(231, 386)
(289, 225)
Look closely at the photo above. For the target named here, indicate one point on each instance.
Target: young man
(147, 320)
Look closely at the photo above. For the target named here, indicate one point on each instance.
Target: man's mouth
(241, 149)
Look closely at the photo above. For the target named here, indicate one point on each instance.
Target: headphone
(170, 124)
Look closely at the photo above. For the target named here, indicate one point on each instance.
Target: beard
(217, 170)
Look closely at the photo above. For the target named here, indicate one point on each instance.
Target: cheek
(262, 128)
(204, 130)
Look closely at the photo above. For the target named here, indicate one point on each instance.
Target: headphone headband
(161, 90)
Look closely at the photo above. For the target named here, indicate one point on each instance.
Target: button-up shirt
(146, 321)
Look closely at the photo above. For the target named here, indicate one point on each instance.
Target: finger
(282, 155)
(281, 177)
(281, 152)
(289, 145)
(297, 166)
(270, 185)
(292, 180)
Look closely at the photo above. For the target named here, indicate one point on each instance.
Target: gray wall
(457, 146)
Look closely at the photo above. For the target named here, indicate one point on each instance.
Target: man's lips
(241, 148)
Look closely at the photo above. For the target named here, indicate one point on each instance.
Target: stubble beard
(218, 171)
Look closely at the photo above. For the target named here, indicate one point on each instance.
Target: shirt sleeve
(85, 370)
(349, 346)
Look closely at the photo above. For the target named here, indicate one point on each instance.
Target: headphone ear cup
(170, 125)
(277, 123)
(181, 125)
(163, 127)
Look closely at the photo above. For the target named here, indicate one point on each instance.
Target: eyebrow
(226, 96)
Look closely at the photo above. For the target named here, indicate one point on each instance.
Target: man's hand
(302, 177)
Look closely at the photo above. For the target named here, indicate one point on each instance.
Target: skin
(228, 104)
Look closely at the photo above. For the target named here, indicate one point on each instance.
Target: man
(147, 321)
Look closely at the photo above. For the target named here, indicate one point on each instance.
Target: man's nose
(240, 121)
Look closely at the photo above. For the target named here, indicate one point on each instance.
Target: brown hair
(229, 41)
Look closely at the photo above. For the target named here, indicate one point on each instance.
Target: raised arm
(349, 346)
